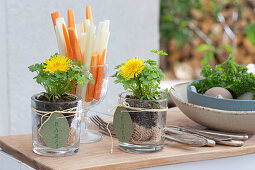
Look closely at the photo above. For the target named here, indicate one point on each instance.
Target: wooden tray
(97, 155)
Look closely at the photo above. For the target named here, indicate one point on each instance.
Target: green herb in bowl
(228, 75)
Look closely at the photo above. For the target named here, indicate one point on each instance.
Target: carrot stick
(90, 86)
(102, 59)
(100, 77)
(89, 14)
(54, 16)
(70, 15)
(74, 89)
(75, 45)
(68, 44)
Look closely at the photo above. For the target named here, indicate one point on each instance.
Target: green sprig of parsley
(228, 75)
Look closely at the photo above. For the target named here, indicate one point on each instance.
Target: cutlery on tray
(189, 136)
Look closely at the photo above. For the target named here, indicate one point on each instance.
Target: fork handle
(226, 134)
(236, 143)
(179, 140)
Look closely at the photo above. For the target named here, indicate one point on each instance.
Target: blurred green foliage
(174, 19)
(250, 32)
(175, 16)
(210, 51)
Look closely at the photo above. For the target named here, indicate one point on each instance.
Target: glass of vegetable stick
(92, 95)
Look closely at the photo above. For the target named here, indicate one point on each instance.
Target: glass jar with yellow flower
(56, 112)
(140, 117)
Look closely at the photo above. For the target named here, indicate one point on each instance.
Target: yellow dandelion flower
(57, 63)
(132, 68)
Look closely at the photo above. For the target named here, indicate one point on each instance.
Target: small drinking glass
(148, 126)
(55, 142)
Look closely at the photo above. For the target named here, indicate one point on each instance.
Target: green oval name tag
(123, 126)
(55, 131)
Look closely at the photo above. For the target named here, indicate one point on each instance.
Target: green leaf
(162, 53)
(250, 32)
(92, 81)
(159, 52)
(228, 48)
(207, 58)
(154, 51)
(218, 7)
(206, 47)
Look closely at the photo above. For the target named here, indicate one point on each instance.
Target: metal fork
(102, 125)
(180, 137)
(192, 137)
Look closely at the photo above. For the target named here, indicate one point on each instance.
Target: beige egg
(246, 96)
(216, 91)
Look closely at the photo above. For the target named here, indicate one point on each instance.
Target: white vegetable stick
(86, 24)
(104, 42)
(104, 37)
(101, 38)
(81, 91)
(98, 37)
(84, 27)
(60, 49)
(90, 44)
(106, 29)
(107, 25)
(80, 29)
(60, 35)
(83, 45)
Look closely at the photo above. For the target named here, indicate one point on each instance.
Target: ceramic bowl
(228, 121)
(218, 103)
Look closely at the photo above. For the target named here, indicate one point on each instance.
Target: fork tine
(102, 125)
(105, 123)
(101, 120)
(94, 120)
(98, 124)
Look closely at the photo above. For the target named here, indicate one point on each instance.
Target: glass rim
(33, 98)
(157, 100)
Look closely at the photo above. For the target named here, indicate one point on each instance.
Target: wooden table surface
(97, 155)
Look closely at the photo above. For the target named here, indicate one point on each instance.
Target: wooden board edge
(22, 157)
(178, 159)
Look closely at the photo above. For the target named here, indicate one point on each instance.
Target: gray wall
(27, 37)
